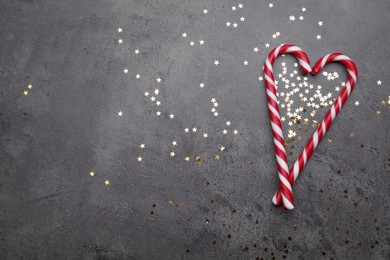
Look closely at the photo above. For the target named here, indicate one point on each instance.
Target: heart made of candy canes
(287, 177)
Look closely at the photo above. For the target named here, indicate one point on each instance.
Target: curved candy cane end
(287, 204)
(277, 198)
(316, 69)
(289, 207)
(306, 70)
(275, 201)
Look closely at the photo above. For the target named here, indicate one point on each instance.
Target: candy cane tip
(289, 207)
(274, 201)
(315, 70)
(287, 204)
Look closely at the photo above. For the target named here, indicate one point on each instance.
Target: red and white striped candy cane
(284, 193)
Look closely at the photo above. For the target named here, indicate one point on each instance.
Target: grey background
(51, 208)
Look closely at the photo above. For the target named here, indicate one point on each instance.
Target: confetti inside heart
(287, 177)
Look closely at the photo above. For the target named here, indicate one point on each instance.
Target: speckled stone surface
(164, 207)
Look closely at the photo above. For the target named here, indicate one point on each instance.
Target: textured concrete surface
(164, 207)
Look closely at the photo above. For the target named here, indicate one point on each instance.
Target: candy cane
(287, 178)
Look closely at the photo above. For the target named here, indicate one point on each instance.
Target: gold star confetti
(172, 154)
(107, 182)
(187, 158)
(139, 159)
(217, 157)
(200, 160)
(29, 86)
(378, 113)
(92, 174)
(25, 92)
(172, 203)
